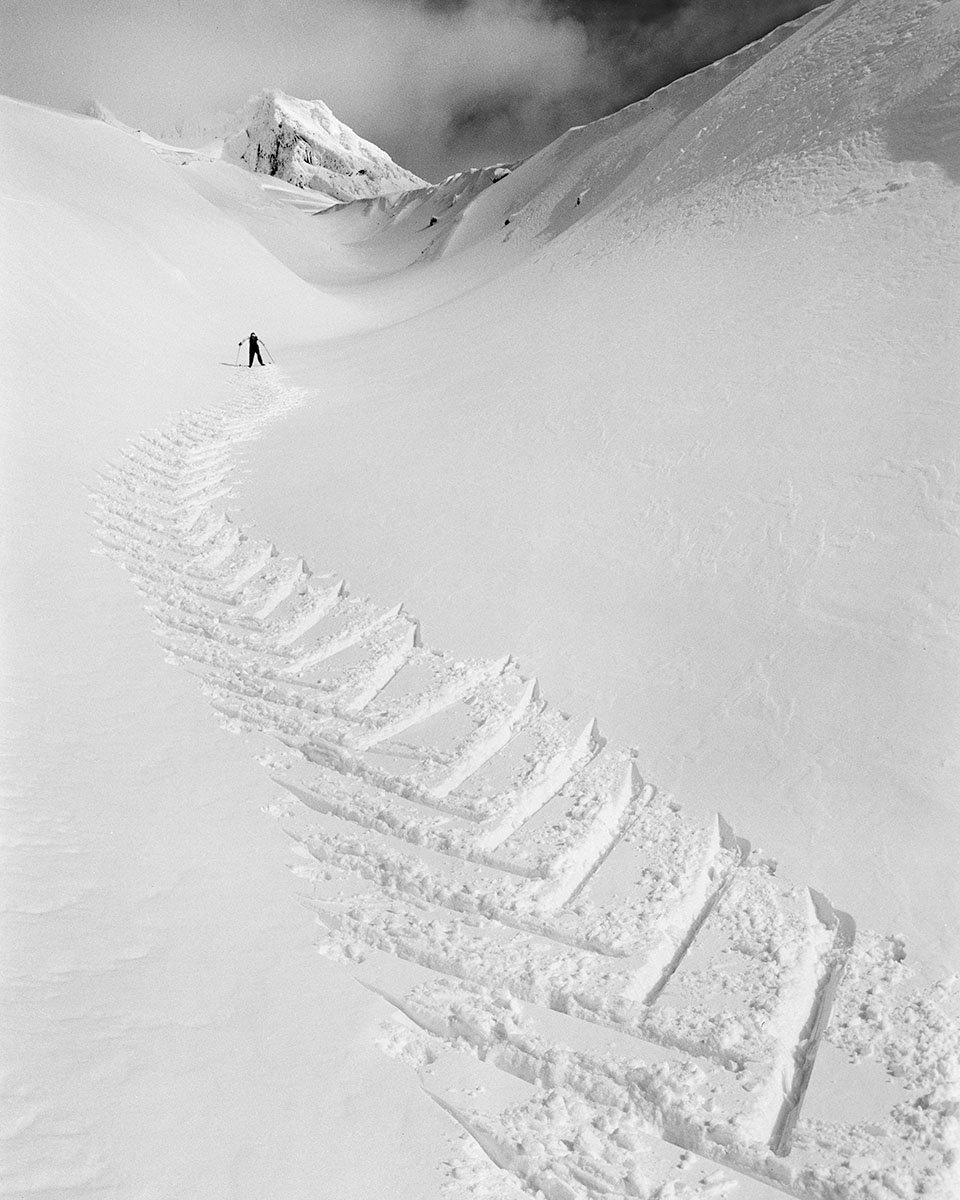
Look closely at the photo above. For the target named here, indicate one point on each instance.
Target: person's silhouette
(254, 349)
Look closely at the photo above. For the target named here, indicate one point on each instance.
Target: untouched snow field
(668, 413)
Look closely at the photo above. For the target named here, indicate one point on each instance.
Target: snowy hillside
(628, 840)
(743, 298)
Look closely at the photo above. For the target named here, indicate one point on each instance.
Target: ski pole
(237, 363)
(269, 355)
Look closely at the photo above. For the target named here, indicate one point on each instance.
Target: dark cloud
(631, 48)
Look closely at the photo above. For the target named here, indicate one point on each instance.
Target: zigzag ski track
(607, 998)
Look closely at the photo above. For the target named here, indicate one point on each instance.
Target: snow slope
(706, 419)
(637, 415)
(167, 1028)
(487, 864)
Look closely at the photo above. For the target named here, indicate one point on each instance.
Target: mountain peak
(302, 142)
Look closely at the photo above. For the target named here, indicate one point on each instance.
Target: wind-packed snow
(657, 428)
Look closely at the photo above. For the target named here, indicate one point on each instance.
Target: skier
(254, 349)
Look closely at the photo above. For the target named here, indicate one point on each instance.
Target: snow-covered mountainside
(746, 297)
(302, 142)
(668, 412)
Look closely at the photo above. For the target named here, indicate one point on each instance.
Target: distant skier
(254, 349)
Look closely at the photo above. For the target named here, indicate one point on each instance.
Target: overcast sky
(440, 84)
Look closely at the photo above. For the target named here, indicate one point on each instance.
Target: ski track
(608, 999)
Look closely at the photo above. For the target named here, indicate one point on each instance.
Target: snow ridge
(608, 999)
